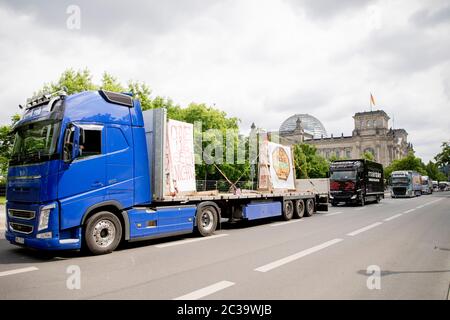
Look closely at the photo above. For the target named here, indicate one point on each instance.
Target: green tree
(443, 158)
(142, 91)
(110, 83)
(410, 162)
(433, 172)
(6, 144)
(368, 156)
(211, 119)
(308, 164)
(71, 80)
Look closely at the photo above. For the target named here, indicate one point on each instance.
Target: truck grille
(21, 228)
(399, 191)
(21, 214)
(342, 195)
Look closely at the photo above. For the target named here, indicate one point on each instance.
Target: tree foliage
(6, 143)
(368, 156)
(308, 164)
(443, 157)
(410, 162)
(433, 172)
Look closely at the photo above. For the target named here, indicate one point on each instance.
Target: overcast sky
(261, 61)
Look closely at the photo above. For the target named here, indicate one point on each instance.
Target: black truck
(356, 181)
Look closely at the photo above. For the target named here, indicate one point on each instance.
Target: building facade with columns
(370, 134)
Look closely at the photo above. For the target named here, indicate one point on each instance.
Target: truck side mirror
(71, 147)
(76, 143)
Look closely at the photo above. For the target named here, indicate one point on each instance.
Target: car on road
(444, 186)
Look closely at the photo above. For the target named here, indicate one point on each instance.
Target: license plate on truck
(20, 240)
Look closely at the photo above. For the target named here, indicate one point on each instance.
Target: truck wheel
(299, 209)
(288, 210)
(102, 233)
(378, 199)
(309, 207)
(207, 219)
(334, 203)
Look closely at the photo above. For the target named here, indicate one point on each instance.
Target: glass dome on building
(309, 123)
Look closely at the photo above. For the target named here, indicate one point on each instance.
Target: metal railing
(223, 185)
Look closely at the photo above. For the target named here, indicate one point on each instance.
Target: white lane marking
(362, 208)
(332, 213)
(393, 217)
(206, 291)
(370, 226)
(16, 271)
(420, 207)
(285, 222)
(180, 242)
(298, 255)
(408, 211)
(433, 201)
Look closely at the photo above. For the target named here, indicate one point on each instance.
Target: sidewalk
(2, 221)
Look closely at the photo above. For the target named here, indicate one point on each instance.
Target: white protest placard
(281, 166)
(181, 161)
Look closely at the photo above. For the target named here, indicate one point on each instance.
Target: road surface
(404, 241)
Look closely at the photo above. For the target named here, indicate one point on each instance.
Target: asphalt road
(405, 241)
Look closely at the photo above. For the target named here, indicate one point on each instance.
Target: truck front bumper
(347, 198)
(25, 228)
(42, 244)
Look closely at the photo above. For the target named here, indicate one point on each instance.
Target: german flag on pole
(372, 100)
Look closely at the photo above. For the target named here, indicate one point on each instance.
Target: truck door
(82, 180)
(119, 172)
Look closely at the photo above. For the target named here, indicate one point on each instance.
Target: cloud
(324, 9)
(431, 17)
(405, 51)
(105, 18)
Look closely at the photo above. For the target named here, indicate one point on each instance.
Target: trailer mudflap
(322, 203)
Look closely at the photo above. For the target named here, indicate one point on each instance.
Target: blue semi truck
(406, 184)
(87, 172)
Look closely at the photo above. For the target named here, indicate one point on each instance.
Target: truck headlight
(44, 216)
(353, 196)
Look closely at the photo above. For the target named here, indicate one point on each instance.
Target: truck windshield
(343, 175)
(35, 142)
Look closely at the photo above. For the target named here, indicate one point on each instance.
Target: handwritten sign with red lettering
(181, 165)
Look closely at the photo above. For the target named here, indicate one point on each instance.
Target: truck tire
(288, 210)
(207, 220)
(102, 233)
(299, 209)
(334, 203)
(378, 199)
(309, 207)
